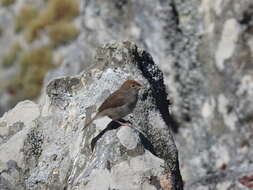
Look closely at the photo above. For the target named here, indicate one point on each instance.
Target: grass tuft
(57, 10)
(1, 30)
(34, 64)
(63, 9)
(11, 55)
(7, 2)
(62, 33)
(25, 16)
(44, 18)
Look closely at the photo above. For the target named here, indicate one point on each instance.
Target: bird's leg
(123, 124)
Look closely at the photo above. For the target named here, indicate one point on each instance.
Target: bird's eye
(132, 86)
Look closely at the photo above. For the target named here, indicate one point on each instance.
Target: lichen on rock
(58, 153)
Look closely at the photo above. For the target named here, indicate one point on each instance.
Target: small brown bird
(120, 103)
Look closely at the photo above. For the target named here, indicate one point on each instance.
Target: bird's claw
(124, 123)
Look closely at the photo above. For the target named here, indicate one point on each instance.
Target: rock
(211, 93)
(204, 49)
(51, 151)
(232, 178)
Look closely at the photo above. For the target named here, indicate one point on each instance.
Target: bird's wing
(116, 99)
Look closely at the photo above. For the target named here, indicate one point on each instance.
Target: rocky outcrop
(213, 96)
(49, 150)
(204, 49)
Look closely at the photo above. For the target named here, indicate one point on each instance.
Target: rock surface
(213, 95)
(205, 50)
(49, 150)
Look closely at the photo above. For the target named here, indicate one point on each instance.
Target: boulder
(53, 151)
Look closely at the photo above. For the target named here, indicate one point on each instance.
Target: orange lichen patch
(25, 15)
(247, 181)
(223, 166)
(165, 182)
(62, 33)
(57, 10)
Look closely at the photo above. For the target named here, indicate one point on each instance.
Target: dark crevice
(155, 79)
(147, 144)
(154, 76)
(119, 4)
(177, 178)
(155, 182)
(176, 15)
(247, 16)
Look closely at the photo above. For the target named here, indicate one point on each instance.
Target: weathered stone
(204, 49)
(55, 152)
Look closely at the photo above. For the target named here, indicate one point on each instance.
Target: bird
(120, 103)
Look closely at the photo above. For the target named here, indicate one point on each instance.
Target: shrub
(62, 33)
(7, 2)
(63, 9)
(34, 64)
(56, 11)
(1, 30)
(44, 18)
(11, 55)
(26, 14)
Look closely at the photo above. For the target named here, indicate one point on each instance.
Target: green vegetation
(1, 30)
(63, 9)
(34, 64)
(56, 11)
(26, 14)
(11, 55)
(7, 2)
(55, 21)
(62, 32)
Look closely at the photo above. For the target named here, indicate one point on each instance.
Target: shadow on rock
(114, 125)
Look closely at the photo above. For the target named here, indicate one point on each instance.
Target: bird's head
(131, 85)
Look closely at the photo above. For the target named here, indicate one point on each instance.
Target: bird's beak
(141, 86)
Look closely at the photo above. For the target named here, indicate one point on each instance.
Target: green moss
(57, 10)
(62, 33)
(11, 55)
(7, 2)
(24, 17)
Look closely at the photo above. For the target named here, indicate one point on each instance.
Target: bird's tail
(90, 121)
